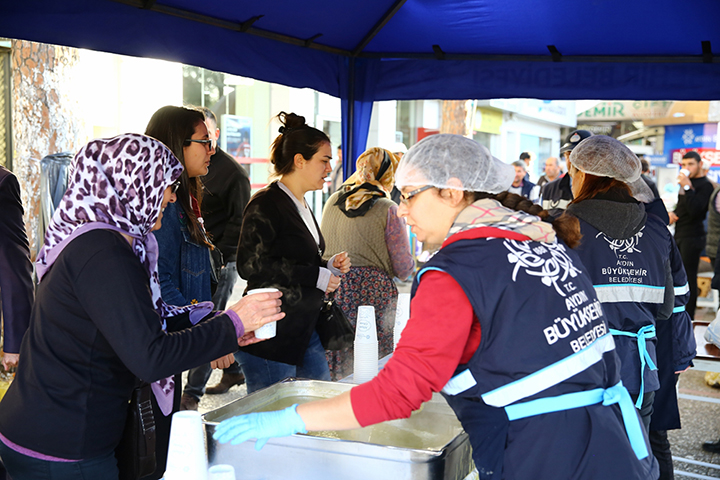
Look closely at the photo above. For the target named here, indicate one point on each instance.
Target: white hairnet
(604, 156)
(438, 158)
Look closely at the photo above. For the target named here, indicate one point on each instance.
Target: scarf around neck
(373, 178)
(488, 212)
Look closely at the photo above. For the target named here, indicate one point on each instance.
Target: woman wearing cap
(626, 253)
(507, 288)
(98, 319)
(362, 220)
(281, 246)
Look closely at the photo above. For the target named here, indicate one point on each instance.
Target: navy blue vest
(543, 335)
(630, 279)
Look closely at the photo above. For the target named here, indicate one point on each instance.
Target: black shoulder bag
(136, 451)
(333, 327)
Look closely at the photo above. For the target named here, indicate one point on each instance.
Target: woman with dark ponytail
(639, 278)
(281, 246)
(504, 322)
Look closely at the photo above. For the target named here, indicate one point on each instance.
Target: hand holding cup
(342, 262)
(684, 178)
(259, 309)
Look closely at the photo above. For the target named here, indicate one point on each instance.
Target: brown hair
(295, 137)
(173, 126)
(566, 227)
(594, 185)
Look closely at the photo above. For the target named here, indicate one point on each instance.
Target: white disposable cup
(402, 315)
(365, 361)
(365, 327)
(221, 472)
(269, 330)
(186, 459)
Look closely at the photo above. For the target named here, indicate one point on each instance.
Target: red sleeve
(441, 319)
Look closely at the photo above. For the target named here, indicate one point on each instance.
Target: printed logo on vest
(533, 259)
(628, 245)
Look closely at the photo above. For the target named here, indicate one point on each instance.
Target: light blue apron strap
(617, 394)
(648, 331)
(554, 404)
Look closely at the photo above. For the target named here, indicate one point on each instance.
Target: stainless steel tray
(429, 445)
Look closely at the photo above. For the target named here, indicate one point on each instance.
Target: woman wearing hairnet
(629, 256)
(536, 382)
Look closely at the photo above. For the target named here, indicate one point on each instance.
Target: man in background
(556, 195)
(227, 192)
(692, 207)
(552, 171)
(522, 186)
(646, 177)
(526, 157)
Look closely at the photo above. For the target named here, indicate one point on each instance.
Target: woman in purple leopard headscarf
(98, 321)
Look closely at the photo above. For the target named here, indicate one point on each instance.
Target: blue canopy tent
(407, 49)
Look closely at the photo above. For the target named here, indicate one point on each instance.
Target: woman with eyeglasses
(360, 219)
(184, 262)
(99, 320)
(504, 322)
(281, 246)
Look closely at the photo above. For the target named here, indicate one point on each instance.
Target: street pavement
(699, 413)
(700, 417)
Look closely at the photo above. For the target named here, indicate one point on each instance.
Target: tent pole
(349, 148)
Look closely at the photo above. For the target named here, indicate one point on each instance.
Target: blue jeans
(261, 373)
(198, 376)
(22, 467)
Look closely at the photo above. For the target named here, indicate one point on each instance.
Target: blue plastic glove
(262, 426)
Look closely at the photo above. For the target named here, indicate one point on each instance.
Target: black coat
(277, 250)
(227, 192)
(16, 285)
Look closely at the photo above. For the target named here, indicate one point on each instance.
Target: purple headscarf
(118, 184)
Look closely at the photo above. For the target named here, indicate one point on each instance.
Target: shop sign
(626, 110)
(554, 111)
(488, 121)
(711, 155)
(657, 160)
(701, 137)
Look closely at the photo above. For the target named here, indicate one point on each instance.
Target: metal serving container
(430, 444)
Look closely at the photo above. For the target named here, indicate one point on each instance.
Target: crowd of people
(565, 305)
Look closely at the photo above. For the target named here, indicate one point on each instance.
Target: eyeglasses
(207, 143)
(175, 185)
(405, 197)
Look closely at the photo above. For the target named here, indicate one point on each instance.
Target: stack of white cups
(366, 345)
(186, 459)
(402, 315)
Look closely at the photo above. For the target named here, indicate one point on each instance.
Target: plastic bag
(712, 334)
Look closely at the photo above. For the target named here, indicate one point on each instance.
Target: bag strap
(143, 402)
